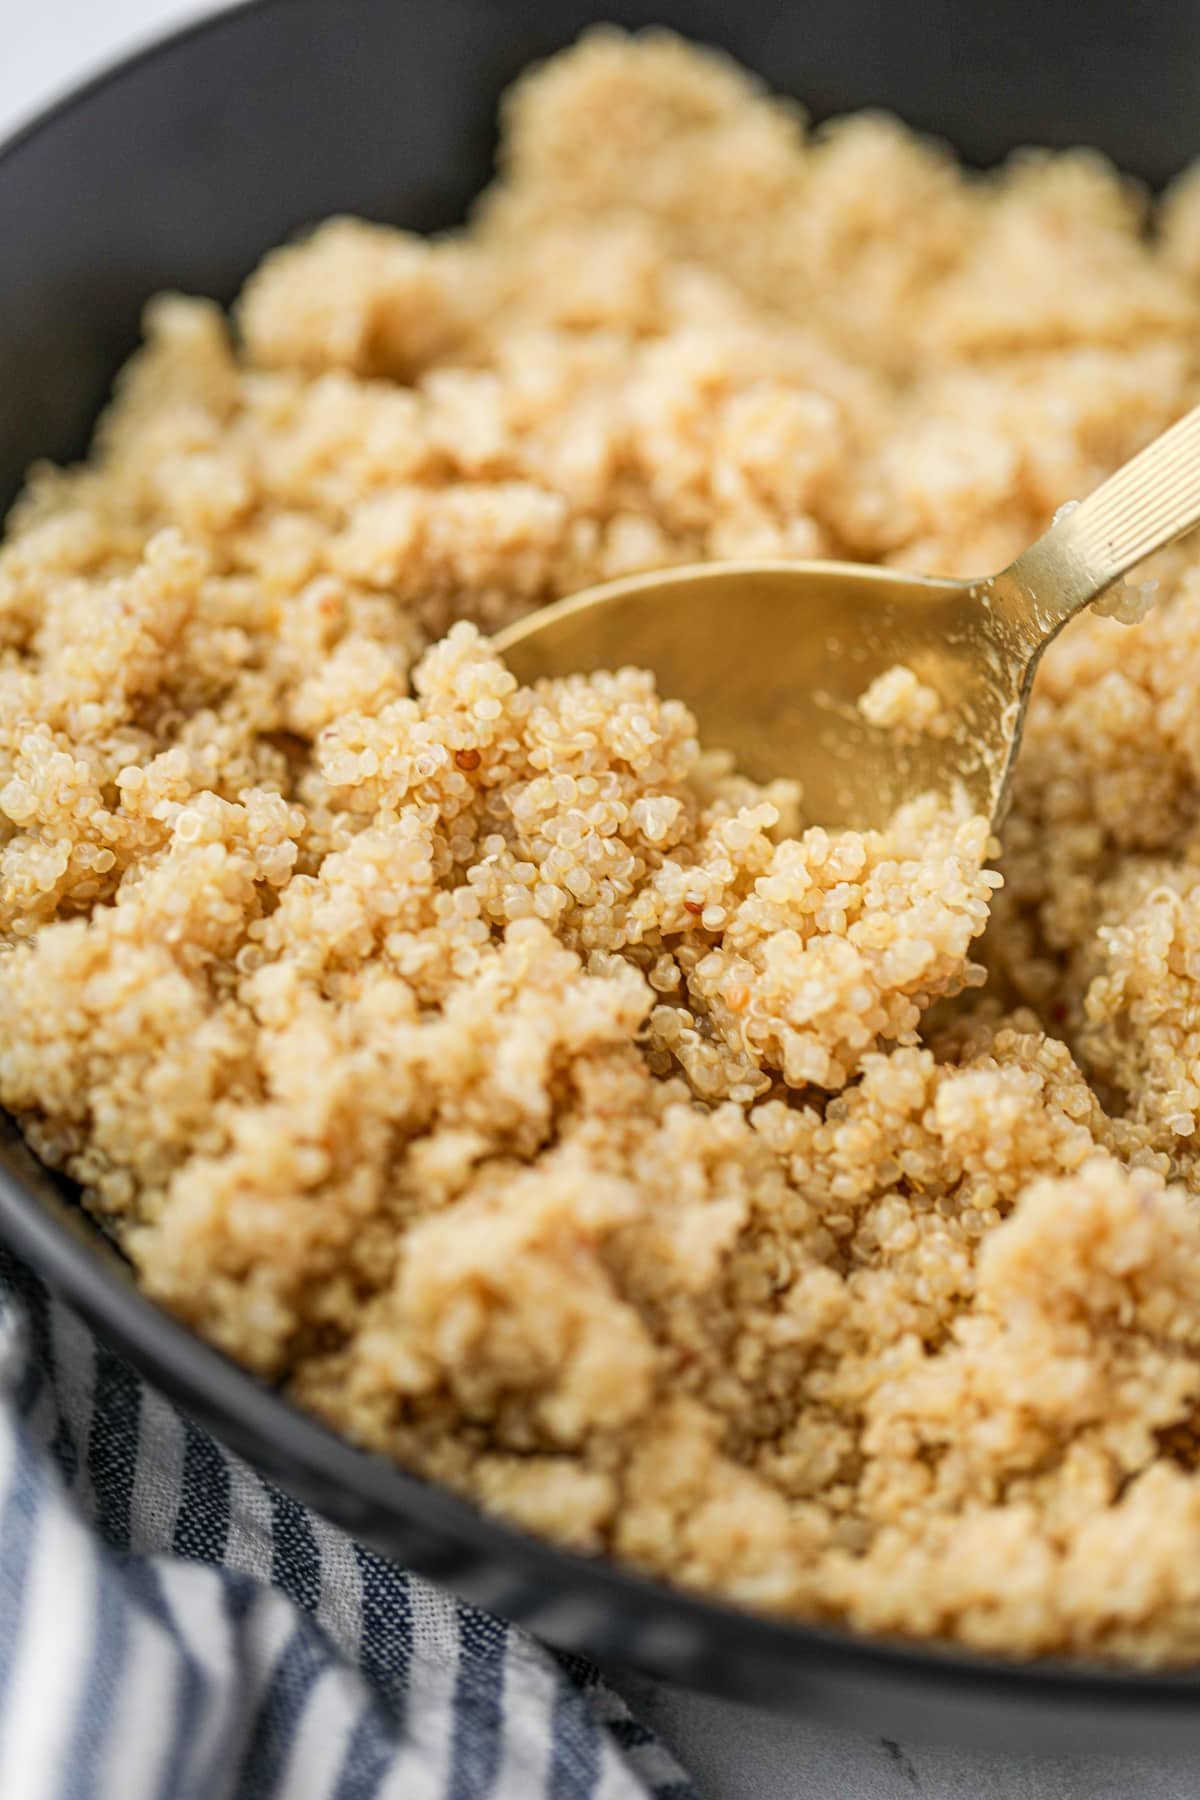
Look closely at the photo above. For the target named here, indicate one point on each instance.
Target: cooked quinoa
(531, 1096)
(900, 702)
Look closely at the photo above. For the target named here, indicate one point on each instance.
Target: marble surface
(732, 1752)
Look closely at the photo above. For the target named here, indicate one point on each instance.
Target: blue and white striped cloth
(174, 1628)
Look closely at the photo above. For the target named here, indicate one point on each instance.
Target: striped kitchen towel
(172, 1626)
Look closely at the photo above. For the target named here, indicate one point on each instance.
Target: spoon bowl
(776, 659)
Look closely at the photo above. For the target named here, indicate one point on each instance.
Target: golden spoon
(775, 657)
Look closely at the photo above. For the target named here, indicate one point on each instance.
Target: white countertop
(732, 1752)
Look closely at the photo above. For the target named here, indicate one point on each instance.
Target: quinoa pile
(536, 1099)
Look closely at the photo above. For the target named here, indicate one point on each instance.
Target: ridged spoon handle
(1146, 505)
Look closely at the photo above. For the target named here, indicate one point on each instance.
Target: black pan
(179, 169)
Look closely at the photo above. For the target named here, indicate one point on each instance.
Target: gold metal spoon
(773, 657)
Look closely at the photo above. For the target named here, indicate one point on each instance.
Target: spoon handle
(1147, 504)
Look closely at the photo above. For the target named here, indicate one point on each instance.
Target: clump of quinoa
(1128, 601)
(532, 1096)
(899, 701)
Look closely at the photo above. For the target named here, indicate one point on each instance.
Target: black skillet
(178, 169)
